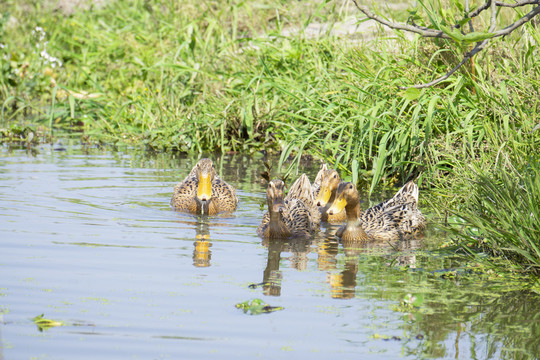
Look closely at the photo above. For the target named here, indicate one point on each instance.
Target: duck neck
(354, 230)
(277, 227)
(353, 212)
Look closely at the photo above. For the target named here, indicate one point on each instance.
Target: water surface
(87, 238)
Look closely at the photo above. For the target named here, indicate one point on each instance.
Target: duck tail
(409, 189)
(318, 180)
(301, 189)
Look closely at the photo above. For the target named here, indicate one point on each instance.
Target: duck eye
(334, 176)
(350, 186)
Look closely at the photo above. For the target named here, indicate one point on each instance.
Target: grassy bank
(221, 75)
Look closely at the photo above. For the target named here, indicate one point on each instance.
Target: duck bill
(278, 205)
(204, 190)
(338, 205)
(323, 197)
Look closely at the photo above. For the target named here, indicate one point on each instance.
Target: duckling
(287, 216)
(330, 180)
(390, 220)
(203, 192)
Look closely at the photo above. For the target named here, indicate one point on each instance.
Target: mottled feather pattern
(393, 219)
(402, 209)
(301, 190)
(184, 196)
(298, 218)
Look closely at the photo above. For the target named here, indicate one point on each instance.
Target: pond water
(88, 239)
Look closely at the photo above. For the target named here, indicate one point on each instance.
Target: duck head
(274, 196)
(329, 183)
(346, 195)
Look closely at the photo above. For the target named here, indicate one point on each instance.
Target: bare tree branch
(471, 28)
(487, 5)
(477, 12)
(518, 4)
(493, 20)
(479, 47)
(428, 32)
(507, 30)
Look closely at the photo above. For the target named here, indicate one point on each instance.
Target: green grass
(503, 213)
(221, 76)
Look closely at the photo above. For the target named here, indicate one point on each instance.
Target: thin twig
(507, 30)
(501, 4)
(471, 28)
(477, 12)
(425, 32)
(517, 4)
(479, 47)
(493, 21)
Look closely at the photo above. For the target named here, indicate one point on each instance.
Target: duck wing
(298, 218)
(223, 195)
(401, 210)
(184, 194)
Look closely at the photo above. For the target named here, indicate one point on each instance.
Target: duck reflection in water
(202, 253)
(272, 275)
(343, 284)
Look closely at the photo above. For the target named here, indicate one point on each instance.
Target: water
(87, 238)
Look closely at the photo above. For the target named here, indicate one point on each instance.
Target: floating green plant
(257, 307)
(44, 324)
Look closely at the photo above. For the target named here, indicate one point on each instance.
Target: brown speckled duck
(329, 182)
(393, 219)
(289, 216)
(203, 192)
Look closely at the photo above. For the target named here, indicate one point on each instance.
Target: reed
(501, 216)
(229, 76)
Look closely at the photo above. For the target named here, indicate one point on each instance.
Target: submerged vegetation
(249, 76)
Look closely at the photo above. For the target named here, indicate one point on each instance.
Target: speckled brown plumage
(286, 216)
(204, 192)
(330, 180)
(393, 219)
(302, 190)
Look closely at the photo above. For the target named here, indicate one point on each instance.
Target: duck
(289, 216)
(393, 219)
(329, 182)
(203, 192)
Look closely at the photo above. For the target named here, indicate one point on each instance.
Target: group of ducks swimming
(300, 212)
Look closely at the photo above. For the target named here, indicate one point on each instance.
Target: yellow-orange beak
(338, 205)
(204, 190)
(323, 197)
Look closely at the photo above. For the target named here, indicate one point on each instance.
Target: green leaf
(411, 94)
(355, 171)
(477, 36)
(455, 34)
